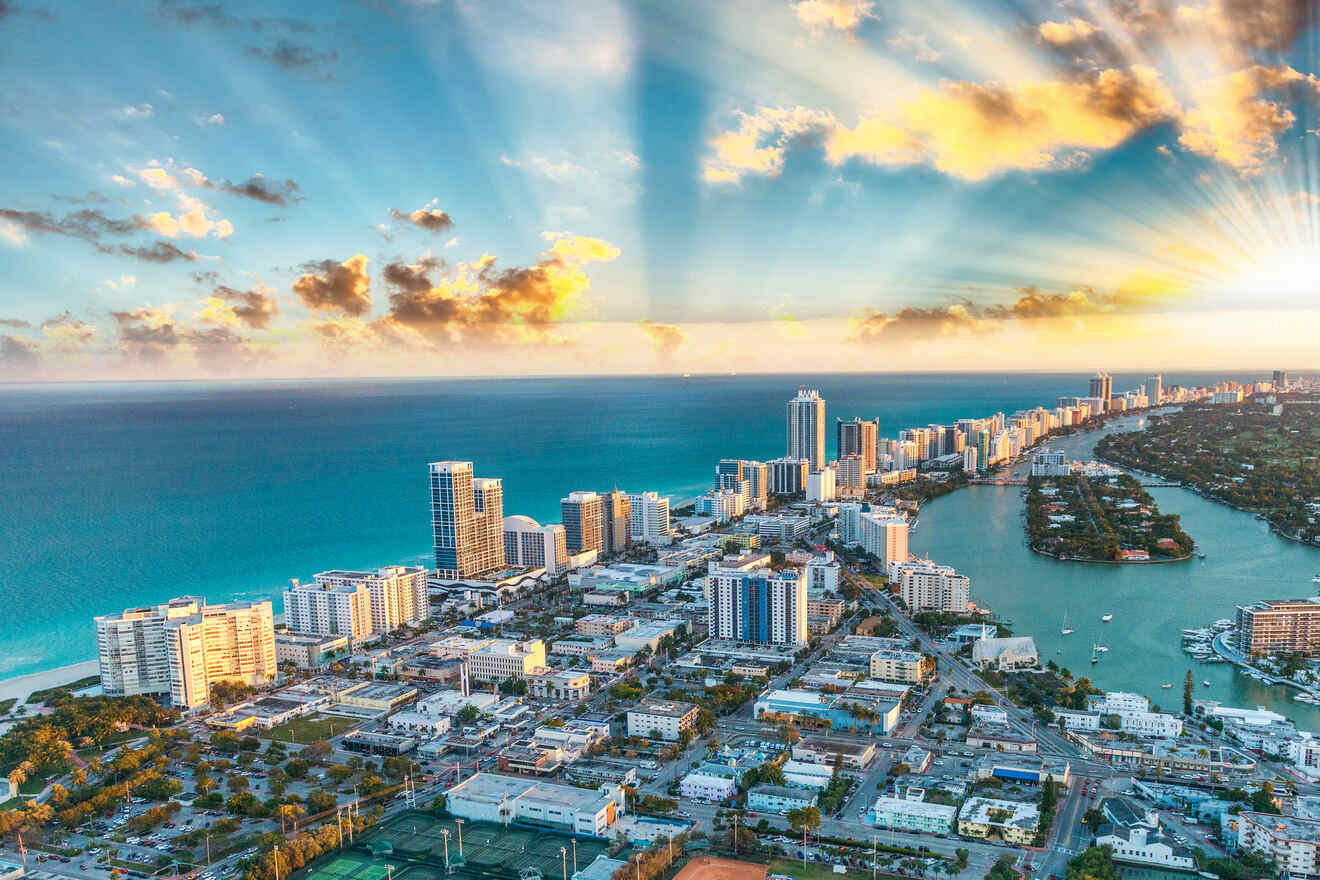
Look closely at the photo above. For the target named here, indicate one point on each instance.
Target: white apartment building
(823, 573)
(497, 660)
(1291, 841)
(529, 544)
(326, 609)
(848, 524)
(901, 814)
(234, 642)
(706, 787)
(822, 485)
(884, 537)
(925, 586)
(909, 667)
(668, 718)
(131, 647)
(398, 594)
(650, 517)
(721, 504)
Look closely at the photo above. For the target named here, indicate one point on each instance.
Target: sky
(456, 187)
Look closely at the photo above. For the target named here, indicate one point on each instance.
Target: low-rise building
(602, 624)
(999, 737)
(497, 660)
(825, 750)
(661, 719)
(419, 722)
(1011, 821)
(530, 758)
(1291, 842)
(491, 797)
(378, 696)
(902, 814)
(707, 787)
(779, 799)
(1135, 836)
(1005, 654)
(309, 651)
(566, 684)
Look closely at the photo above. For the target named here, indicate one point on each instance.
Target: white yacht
(1106, 618)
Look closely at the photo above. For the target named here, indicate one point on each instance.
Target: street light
(459, 823)
(563, 858)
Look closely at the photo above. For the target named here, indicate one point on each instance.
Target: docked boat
(1316, 579)
(1106, 618)
(1095, 654)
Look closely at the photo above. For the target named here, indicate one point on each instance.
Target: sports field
(488, 850)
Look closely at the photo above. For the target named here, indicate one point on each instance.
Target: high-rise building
(806, 428)
(649, 517)
(983, 450)
(848, 524)
(925, 586)
(615, 521)
(467, 521)
(1281, 380)
(821, 485)
(758, 606)
(858, 437)
(728, 469)
(757, 475)
(885, 537)
(1275, 626)
(231, 643)
(528, 543)
(1154, 389)
(329, 609)
(1102, 388)
(131, 651)
(850, 472)
(582, 522)
(788, 476)
(398, 592)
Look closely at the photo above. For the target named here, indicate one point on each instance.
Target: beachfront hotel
(581, 512)
(181, 647)
(358, 603)
(467, 521)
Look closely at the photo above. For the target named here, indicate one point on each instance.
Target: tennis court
(348, 865)
(487, 849)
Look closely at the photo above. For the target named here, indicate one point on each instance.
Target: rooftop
(666, 708)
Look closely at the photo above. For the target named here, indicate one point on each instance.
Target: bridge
(1150, 484)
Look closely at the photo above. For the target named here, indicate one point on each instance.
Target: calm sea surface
(113, 495)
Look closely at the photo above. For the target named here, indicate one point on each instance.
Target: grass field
(38, 696)
(813, 870)
(311, 728)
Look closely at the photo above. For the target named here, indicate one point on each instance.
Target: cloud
(481, 302)
(13, 233)
(88, 224)
(122, 180)
(215, 15)
(965, 129)
(67, 331)
(428, 218)
(916, 323)
(298, 57)
(228, 307)
(18, 354)
(1067, 33)
(258, 187)
(138, 111)
(15, 323)
(193, 222)
(153, 335)
(841, 15)
(215, 119)
(1230, 120)
(667, 338)
(916, 45)
(123, 283)
(330, 286)
(160, 252)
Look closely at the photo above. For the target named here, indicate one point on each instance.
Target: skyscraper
(615, 521)
(858, 437)
(582, 522)
(527, 542)
(649, 518)
(788, 476)
(467, 521)
(1102, 387)
(1280, 380)
(233, 642)
(130, 647)
(397, 593)
(806, 428)
(1154, 389)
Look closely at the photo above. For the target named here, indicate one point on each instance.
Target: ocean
(122, 494)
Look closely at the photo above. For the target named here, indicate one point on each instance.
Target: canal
(979, 530)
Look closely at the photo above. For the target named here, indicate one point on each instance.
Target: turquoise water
(121, 494)
(980, 531)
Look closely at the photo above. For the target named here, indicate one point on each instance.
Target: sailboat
(1095, 657)
(1067, 630)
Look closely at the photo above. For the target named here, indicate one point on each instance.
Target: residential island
(1101, 517)
(1259, 453)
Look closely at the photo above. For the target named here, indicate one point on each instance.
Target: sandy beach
(20, 686)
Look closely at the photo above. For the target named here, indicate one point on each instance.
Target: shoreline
(20, 687)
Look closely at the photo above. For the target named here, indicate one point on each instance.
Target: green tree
(801, 818)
